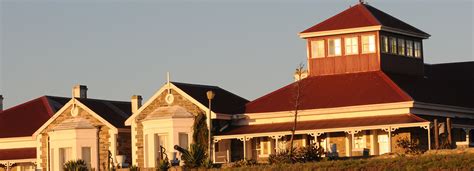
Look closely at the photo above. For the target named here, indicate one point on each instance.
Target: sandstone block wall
(159, 102)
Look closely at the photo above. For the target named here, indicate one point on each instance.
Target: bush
(410, 146)
(309, 153)
(281, 157)
(163, 165)
(134, 168)
(244, 163)
(78, 165)
(194, 157)
(304, 154)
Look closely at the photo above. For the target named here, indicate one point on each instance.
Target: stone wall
(104, 136)
(159, 102)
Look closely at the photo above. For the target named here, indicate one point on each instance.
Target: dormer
(363, 38)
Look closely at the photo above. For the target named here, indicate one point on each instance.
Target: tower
(361, 39)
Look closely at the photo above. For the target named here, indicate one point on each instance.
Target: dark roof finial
(361, 2)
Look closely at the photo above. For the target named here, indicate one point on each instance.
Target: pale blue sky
(120, 48)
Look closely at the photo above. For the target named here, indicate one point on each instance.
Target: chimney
(79, 91)
(1, 103)
(136, 103)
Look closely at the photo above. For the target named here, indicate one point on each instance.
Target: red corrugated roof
(362, 15)
(26, 118)
(325, 124)
(17, 153)
(332, 91)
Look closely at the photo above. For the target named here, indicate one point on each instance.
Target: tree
(297, 100)
(196, 156)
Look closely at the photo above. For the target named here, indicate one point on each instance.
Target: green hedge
(462, 161)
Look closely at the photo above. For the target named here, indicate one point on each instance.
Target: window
(368, 44)
(317, 49)
(359, 141)
(351, 45)
(401, 47)
(65, 155)
(409, 48)
(334, 47)
(384, 44)
(393, 45)
(86, 155)
(417, 49)
(264, 145)
(183, 140)
(160, 141)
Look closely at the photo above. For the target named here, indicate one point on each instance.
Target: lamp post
(210, 95)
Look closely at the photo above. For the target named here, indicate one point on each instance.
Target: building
(62, 129)
(166, 119)
(366, 87)
(18, 147)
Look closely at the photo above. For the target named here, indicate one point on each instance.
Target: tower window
(352, 46)
(401, 47)
(384, 44)
(317, 49)
(409, 48)
(334, 47)
(393, 45)
(417, 49)
(368, 44)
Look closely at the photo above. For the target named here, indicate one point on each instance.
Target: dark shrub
(77, 165)
(410, 146)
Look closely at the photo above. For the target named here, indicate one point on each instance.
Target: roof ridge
(337, 15)
(191, 84)
(103, 100)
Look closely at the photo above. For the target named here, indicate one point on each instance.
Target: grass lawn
(433, 160)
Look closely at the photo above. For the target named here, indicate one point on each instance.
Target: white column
(277, 147)
(134, 144)
(214, 152)
(245, 147)
(429, 137)
(349, 143)
(372, 142)
(467, 136)
(390, 139)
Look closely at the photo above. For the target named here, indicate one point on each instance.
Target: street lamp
(210, 95)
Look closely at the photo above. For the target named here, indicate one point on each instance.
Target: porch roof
(18, 154)
(329, 125)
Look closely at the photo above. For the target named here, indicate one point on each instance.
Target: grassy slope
(459, 161)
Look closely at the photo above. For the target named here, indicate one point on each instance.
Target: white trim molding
(391, 127)
(363, 29)
(171, 86)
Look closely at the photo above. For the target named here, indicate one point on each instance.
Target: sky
(249, 47)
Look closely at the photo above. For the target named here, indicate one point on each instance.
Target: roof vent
(79, 91)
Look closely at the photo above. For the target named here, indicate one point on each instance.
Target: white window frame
(401, 47)
(360, 141)
(417, 49)
(351, 45)
(385, 45)
(316, 48)
(393, 45)
(409, 48)
(337, 47)
(262, 143)
(183, 134)
(370, 45)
